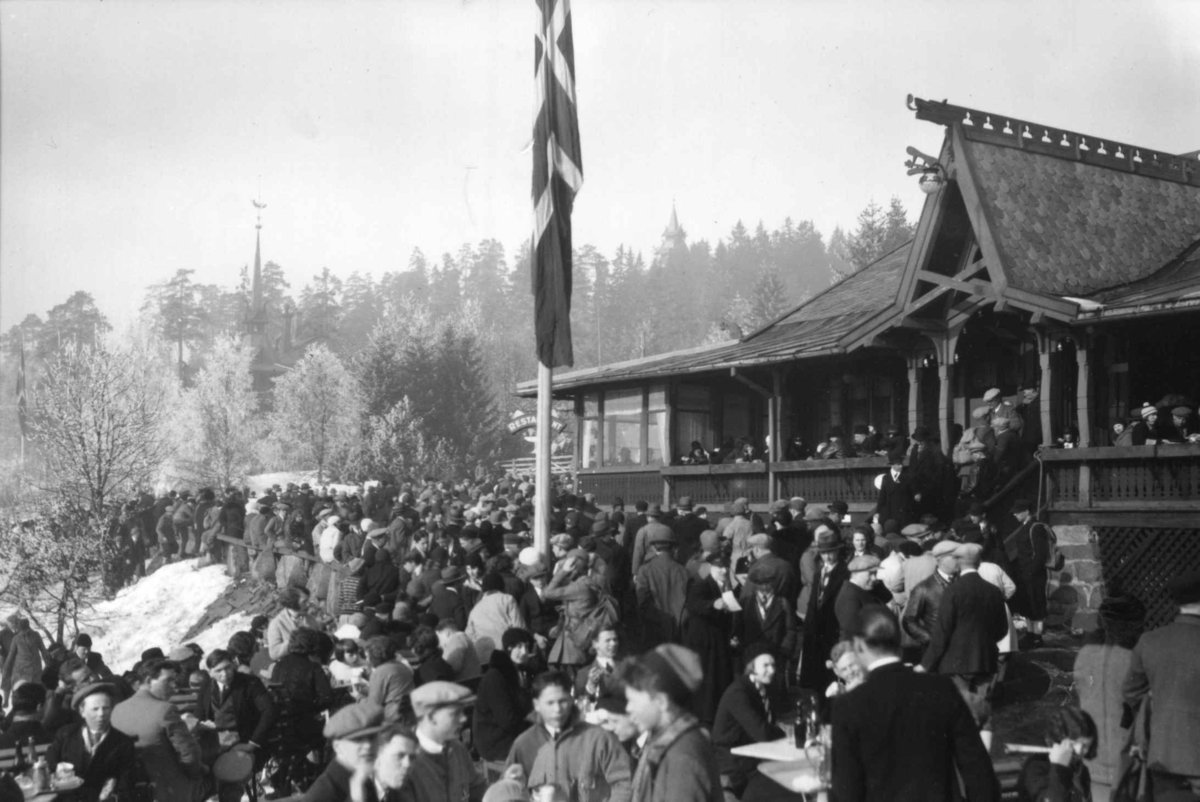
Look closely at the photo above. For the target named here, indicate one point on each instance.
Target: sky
(133, 135)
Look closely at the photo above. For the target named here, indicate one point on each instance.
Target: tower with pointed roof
(673, 235)
(254, 326)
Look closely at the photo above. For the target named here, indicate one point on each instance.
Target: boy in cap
(350, 732)
(677, 762)
(443, 770)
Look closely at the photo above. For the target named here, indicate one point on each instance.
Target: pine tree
(321, 306)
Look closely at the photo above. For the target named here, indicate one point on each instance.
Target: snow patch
(157, 611)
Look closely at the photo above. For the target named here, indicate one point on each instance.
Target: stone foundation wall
(1075, 592)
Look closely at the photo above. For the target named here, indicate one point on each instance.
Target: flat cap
(915, 530)
(354, 722)
(88, 689)
(432, 695)
(761, 540)
(1182, 412)
(971, 552)
(945, 547)
(992, 394)
(563, 541)
(866, 562)
(181, 653)
(764, 573)
(709, 540)
(665, 536)
(506, 791)
(453, 573)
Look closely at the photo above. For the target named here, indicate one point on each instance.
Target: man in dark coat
(687, 527)
(97, 750)
(503, 703)
(1027, 548)
(597, 681)
(1164, 667)
(821, 630)
(654, 529)
(540, 614)
(661, 585)
(767, 616)
(349, 731)
(895, 502)
(925, 600)
(744, 717)
(241, 709)
(972, 620)
(858, 591)
(447, 602)
(902, 736)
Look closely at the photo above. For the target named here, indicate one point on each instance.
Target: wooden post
(773, 454)
(944, 371)
(914, 392)
(1083, 387)
(1045, 346)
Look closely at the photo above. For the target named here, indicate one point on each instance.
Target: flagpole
(541, 479)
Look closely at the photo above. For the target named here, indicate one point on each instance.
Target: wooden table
(783, 763)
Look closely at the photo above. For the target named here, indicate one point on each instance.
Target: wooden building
(1043, 258)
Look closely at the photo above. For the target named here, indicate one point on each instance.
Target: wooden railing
(630, 484)
(1095, 484)
(717, 484)
(823, 481)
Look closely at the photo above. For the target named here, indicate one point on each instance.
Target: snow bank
(157, 611)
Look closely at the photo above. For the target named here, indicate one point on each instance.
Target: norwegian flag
(557, 178)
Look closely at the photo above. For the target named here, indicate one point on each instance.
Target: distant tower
(673, 235)
(262, 363)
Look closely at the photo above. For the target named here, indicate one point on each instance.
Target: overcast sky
(133, 135)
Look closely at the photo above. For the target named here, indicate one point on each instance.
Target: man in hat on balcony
(1181, 429)
(896, 490)
(661, 586)
(1002, 409)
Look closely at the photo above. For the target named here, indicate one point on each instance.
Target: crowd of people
(424, 650)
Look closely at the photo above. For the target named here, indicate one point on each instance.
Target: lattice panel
(719, 488)
(1138, 480)
(1062, 482)
(1141, 562)
(849, 486)
(631, 487)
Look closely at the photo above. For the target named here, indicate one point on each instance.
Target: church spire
(258, 303)
(673, 235)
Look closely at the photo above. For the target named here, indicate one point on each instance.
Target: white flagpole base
(545, 428)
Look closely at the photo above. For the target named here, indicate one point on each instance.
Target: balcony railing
(1153, 480)
(717, 484)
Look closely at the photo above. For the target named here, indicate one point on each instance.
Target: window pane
(591, 406)
(622, 403)
(623, 427)
(658, 438)
(658, 397)
(591, 435)
(622, 442)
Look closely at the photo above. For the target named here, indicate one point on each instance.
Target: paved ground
(1039, 681)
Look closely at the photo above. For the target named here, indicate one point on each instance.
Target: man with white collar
(443, 770)
(918, 721)
(350, 731)
(599, 679)
(963, 644)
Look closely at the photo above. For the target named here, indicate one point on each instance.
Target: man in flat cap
(443, 770)
(687, 527)
(859, 591)
(925, 600)
(971, 622)
(350, 731)
(98, 751)
(654, 528)
(661, 588)
(1164, 667)
(1181, 429)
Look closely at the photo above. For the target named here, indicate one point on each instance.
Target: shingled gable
(814, 328)
(1058, 219)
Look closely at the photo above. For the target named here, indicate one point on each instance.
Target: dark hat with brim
(828, 541)
(91, 688)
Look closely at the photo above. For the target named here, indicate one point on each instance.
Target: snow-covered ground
(158, 611)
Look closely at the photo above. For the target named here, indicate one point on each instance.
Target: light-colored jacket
(491, 617)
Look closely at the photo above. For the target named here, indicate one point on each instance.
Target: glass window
(623, 427)
(656, 439)
(589, 455)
